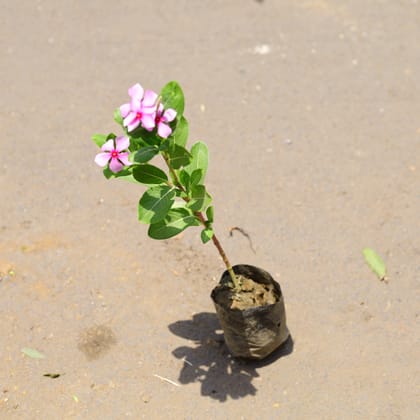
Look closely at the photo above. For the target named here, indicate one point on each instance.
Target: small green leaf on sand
(375, 262)
(75, 398)
(52, 375)
(34, 354)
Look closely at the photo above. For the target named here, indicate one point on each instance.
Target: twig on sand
(166, 380)
(243, 233)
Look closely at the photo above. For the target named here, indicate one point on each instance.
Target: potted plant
(248, 302)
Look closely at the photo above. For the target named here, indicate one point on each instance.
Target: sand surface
(311, 112)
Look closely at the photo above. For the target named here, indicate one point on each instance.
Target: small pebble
(262, 49)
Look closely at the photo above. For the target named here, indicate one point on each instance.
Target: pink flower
(140, 110)
(162, 120)
(115, 153)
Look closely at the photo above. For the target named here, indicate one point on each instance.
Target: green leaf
(147, 137)
(164, 146)
(196, 176)
(199, 160)
(210, 214)
(34, 354)
(100, 139)
(173, 97)
(155, 203)
(111, 136)
(52, 375)
(200, 199)
(149, 174)
(184, 179)
(175, 222)
(117, 117)
(136, 143)
(125, 173)
(179, 204)
(375, 262)
(206, 235)
(178, 156)
(180, 134)
(144, 154)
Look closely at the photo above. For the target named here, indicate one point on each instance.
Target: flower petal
(133, 125)
(148, 121)
(125, 109)
(149, 98)
(123, 157)
(129, 119)
(102, 159)
(164, 130)
(169, 115)
(136, 91)
(122, 143)
(136, 104)
(148, 109)
(108, 146)
(115, 165)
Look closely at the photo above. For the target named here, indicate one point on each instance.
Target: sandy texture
(310, 109)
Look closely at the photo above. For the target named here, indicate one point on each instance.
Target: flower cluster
(144, 110)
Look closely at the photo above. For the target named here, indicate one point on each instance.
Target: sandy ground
(311, 113)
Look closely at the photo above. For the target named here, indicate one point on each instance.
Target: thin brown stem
(221, 251)
(173, 174)
(204, 223)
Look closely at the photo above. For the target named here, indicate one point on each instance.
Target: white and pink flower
(162, 120)
(140, 110)
(115, 152)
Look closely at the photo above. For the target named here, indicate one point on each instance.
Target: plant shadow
(209, 361)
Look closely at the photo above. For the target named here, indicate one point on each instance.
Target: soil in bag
(253, 319)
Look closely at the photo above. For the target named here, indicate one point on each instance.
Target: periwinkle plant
(174, 200)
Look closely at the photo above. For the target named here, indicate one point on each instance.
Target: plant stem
(204, 223)
(226, 261)
(221, 252)
(173, 173)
